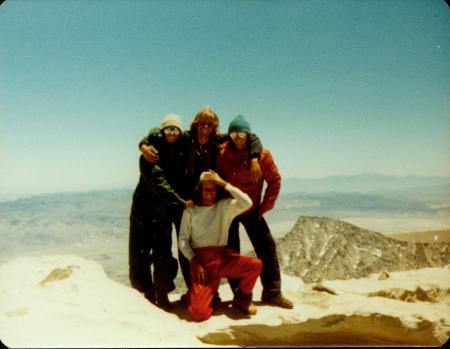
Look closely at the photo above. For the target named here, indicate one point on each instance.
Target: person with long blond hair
(201, 146)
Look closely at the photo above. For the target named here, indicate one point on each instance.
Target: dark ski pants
(150, 242)
(265, 248)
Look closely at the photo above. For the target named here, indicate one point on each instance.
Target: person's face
(204, 129)
(171, 133)
(209, 192)
(239, 139)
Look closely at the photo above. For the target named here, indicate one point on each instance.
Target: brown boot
(243, 303)
(277, 300)
(162, 301)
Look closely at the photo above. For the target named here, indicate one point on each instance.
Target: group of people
(206, 184)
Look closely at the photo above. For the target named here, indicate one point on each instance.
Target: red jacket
(234, 166)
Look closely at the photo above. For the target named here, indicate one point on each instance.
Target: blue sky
(331, 87)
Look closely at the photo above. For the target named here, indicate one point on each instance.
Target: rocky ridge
(323, 248)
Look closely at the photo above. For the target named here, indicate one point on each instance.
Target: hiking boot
(184, 299)
(162, 301)
(248, 310)
(243, 303)
(150, 296)
(278, 300)
(216, 301)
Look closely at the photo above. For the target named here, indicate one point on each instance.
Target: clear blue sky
(331, 87)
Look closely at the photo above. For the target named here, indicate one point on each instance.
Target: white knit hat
(171, 120)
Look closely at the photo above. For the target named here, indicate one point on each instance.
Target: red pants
(220, 262)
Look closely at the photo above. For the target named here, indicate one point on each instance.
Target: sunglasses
(174, 130)
(233, 135)
(208, 124)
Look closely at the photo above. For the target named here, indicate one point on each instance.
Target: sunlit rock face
(323, 248)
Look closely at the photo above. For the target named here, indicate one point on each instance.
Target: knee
(257, 265)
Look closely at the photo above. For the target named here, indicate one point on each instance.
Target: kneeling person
(203, 239)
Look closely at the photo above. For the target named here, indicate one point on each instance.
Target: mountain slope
(323, 248)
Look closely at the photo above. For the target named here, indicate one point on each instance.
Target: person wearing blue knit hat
(199, 147)
(233, 166)
(239, 124)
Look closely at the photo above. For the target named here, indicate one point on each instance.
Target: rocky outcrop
(323, 248)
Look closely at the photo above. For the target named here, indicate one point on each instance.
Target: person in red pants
(203, 241)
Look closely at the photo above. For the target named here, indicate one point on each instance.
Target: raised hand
(213, 176)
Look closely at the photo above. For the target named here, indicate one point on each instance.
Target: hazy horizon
(24, 193)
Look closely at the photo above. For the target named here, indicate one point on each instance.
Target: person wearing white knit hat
(171, 120)
(156, 201)
(201, 146)
(171, 127)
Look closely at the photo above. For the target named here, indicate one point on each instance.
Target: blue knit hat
(239, 124)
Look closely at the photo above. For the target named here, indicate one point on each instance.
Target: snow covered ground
(68, 301)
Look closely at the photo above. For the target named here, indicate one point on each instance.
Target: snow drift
(67, 301)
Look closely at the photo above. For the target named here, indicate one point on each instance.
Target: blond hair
(206, 114)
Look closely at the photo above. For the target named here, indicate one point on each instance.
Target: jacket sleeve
(254, 146)
(240, 202)
(273, 178)
(156, 182)
(154, 137)
(221, 138)
(184, 240)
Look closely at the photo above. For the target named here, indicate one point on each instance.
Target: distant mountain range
(339, 205)
(61, 219)
(95, 224)
(67, 218)
(365, 183)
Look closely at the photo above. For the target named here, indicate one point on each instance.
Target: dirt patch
(337, 330)
(422, 236)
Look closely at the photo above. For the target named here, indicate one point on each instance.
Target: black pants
(265, 248)
(150, 242)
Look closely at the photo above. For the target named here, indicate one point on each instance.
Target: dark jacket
(172, 159)
(203, 157)
(184, 163)
(158, 194)
(153, 197)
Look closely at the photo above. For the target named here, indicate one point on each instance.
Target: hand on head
(210, 175)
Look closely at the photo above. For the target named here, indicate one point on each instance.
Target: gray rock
(320, 248)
